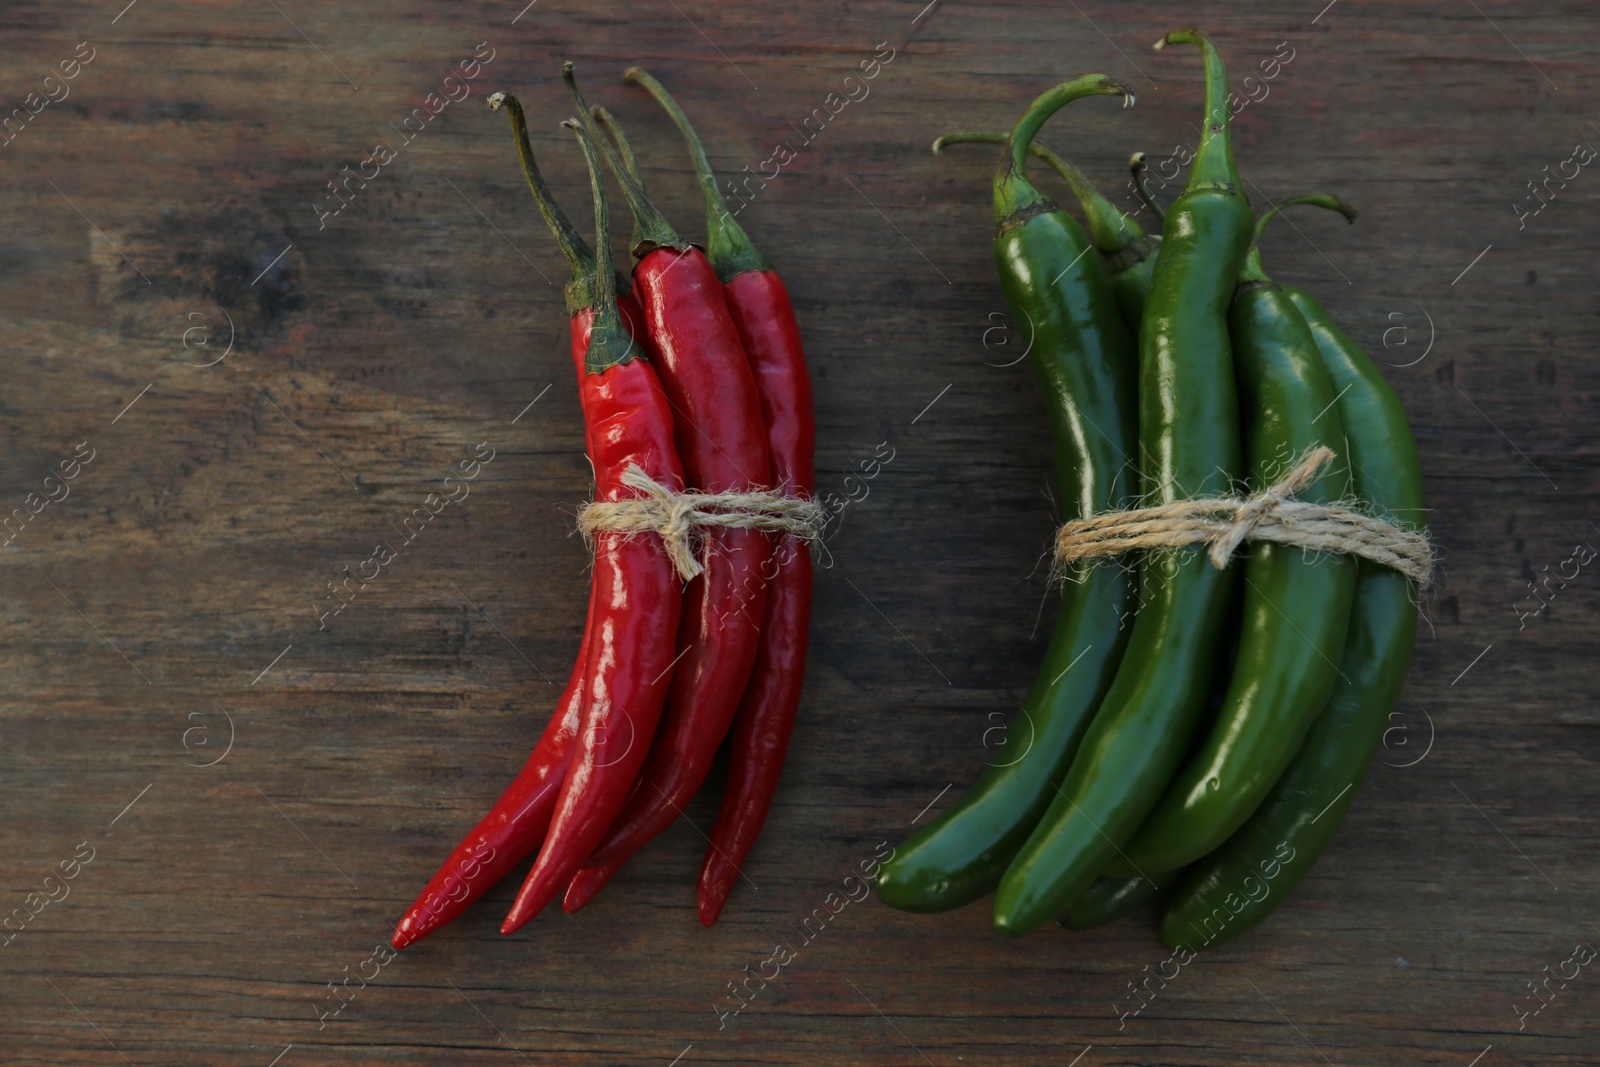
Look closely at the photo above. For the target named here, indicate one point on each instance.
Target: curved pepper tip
(413, 926)
(889, 889)
(712, 897)
(1013, 917)
(586, 882)
(1007, 925)
(519, 914)
(530, 900)
(905, 888)
(1171, 936)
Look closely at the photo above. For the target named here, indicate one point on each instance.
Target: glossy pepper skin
(636, 603)
(1296, 605)
(516, 824)
(1189, 444)
(1112, 896)
(1129, 252)
(1130, 257)
(1086, 364)
(1240, 884)
(759, 738)
(723, 442)
(588, 882)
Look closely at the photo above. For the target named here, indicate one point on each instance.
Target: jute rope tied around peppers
(678, 516)
(1270, 515)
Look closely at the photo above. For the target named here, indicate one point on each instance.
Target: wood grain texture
(178, 586)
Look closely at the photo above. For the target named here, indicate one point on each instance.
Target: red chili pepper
(515, 826)
(586, 883)
(723, 442)
(637, 601)
(759, 739)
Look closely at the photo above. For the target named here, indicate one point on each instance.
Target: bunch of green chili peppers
(1208, 749)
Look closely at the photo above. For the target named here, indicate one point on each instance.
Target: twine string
(1273, 515)
(679, 517)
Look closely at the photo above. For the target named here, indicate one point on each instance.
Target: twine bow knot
(1273, 514)
(678, 517)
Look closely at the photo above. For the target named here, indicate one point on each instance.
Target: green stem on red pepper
(727, 245)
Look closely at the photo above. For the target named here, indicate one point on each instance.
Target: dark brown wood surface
(164, 614)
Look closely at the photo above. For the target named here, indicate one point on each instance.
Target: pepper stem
(1111, 229)
(1252, 270)
(613, 130)
(655, 232)
(573, 246)
(1213, 162)
(727, 245)
(1141, 186)
(1013, 193)
(610, 343)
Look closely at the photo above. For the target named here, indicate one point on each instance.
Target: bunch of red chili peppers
(1198, 726)
(697, 379)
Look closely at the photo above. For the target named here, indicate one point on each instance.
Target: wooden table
(251, 394)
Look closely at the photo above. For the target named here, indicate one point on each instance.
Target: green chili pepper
(1085, 361)
(1112, 896)
(1296, 604)
(1129, 252)
(1189, 440)
(1109, 898)
(1301, 814)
